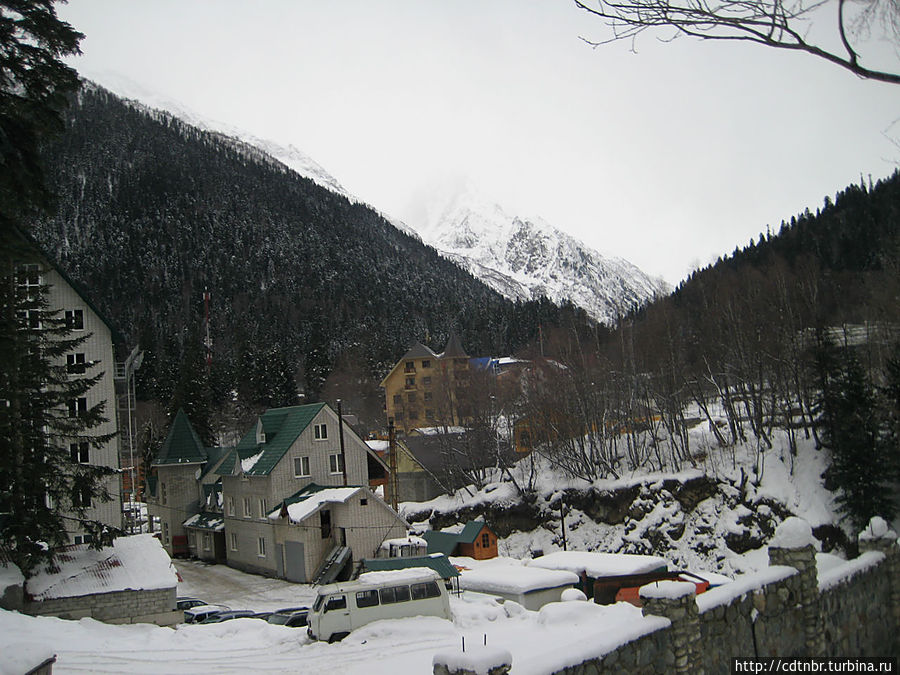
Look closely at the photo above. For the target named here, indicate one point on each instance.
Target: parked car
(228, 615)
(186, 602)
(292, 617)
(201, 612)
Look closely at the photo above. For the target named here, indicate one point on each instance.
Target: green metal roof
(441, 542)
(439, 563)
(471, 531)
(182, 445)
(213, 456)
(445, 542)
(282, 426)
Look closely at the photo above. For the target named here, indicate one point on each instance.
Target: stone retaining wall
(155, 606)
(788, 610)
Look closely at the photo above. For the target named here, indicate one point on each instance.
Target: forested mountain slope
(152, 211)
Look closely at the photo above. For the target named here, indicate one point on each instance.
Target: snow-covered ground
(575, 630)
(559, 634)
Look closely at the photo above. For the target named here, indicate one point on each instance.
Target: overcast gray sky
(667, 157)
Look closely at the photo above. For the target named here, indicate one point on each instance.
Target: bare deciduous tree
(782, 24)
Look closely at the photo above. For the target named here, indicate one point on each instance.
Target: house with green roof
(284, 451)
(225, 504)
(475, 540)
(184, 475)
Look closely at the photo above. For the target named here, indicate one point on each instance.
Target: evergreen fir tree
(42, 486)
(851, 428)
(34, 84)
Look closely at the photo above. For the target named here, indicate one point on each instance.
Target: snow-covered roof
(307, 504)
(378, 445)
(409, 575)
(206, 521)
(411, 540)
(136, 562)
(600, 564)
(514, 579)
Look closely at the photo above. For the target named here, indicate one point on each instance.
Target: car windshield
(279, 619)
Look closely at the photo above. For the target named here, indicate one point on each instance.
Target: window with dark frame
(77, 407)
(367, 598)
(75, 319)
(79, 452)
(75, 363)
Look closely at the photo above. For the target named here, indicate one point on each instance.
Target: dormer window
(260, 432)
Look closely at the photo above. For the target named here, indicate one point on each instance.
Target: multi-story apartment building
(95, 355)
(425, 389)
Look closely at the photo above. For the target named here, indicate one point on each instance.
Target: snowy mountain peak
(523, 258)
(294, 159)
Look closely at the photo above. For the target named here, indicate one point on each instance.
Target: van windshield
(318, 604)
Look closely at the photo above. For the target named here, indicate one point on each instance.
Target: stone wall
(154, 606)
(789, 609)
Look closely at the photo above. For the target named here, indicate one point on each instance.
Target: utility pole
(562, 522)
(393, 483)
(341, 434)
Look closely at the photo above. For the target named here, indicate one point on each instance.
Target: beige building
(425, 389)
(95, 355)
(290, 500)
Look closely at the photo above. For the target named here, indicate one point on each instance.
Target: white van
(342, 607)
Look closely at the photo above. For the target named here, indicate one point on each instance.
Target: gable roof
(440, 542)
(281, 426)
(436, 452)
(182, 445)
(446, 542)
(471, 531)
(438, 562)
(417, 351)
(116, 336)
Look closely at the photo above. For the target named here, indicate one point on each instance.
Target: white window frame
(229, 506)
(261, 547)
(336, 461)
(247, 513)
(303, 465)
(321, 432)
(233, 540)
(263, 505)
